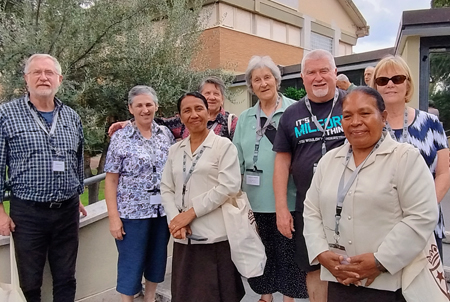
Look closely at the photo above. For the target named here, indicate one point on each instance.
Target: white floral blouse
(139, 163)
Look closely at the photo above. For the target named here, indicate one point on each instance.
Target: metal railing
(87, 181)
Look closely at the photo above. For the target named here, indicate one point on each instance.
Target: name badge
(58, 166)
(340, 250)
(155, 199)
(252, 180)
(314, 168)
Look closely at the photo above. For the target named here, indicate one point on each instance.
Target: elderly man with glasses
(41, 143)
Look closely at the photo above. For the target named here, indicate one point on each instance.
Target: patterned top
(28, 152)
(427, 134)
(139, 163)
(180, 131)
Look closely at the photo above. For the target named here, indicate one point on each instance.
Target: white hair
(318, 54)
(140, 90)
(342, 77)
(42, 56)
(261, 62)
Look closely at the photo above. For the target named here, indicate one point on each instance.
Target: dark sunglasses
(397, 79)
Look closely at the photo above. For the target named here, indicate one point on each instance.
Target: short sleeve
(113, 163)
(282, 141)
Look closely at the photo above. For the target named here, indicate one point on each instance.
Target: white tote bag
(12, 292)
(247, 250)
(423, 280)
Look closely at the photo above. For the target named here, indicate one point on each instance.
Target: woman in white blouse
(201, 171)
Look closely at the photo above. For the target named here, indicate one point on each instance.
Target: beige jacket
(216, 175)
(390, 210)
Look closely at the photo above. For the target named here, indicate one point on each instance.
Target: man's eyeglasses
(48, 73)
(397, 79)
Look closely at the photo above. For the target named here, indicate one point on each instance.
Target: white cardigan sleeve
(417, 196)
(229, 180)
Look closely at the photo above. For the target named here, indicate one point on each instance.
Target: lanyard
(150, 151)
(260, 131)
(404, 129)
(213, 126)
(188, 175)
(39, 122)
(343, 189)
(316, 122)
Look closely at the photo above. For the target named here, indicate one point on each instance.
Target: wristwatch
(380, 266)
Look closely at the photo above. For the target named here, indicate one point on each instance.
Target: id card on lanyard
(319, 126)
(343, 189)
(253, 176)
(58, 163)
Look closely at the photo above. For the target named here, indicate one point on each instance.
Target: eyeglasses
(397, 79)
(37, 73)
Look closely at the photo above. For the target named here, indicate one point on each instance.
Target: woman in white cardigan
(200, 172)
(371, 207)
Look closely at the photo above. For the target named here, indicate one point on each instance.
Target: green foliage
(442, 102)
(294, 93)
(105, 47)
(440, 3)
(439, 89)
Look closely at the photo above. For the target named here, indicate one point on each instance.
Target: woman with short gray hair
(281, 274)
(222, 122)
(134, 163)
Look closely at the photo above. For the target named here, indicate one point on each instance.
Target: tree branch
(99, 38)
(52, 45)
(37, 15)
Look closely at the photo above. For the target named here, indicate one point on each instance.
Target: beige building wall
(240, 99)
(410, 53)
(328, 12)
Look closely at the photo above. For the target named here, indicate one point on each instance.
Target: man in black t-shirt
(307, 130)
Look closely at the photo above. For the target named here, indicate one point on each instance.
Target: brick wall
(231, 50)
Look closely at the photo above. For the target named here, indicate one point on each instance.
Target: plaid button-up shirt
(29, 152)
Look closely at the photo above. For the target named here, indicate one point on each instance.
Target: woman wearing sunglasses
(392, 79)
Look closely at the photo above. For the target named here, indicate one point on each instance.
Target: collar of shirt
(131, 129)
(58, 103)
(208, 142)
(387, 146)
(220, 118)
(284, 105)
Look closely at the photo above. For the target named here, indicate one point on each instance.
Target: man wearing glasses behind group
(41, 143)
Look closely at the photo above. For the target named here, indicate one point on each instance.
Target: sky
(383, 17)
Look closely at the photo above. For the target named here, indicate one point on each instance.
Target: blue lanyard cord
(188, 175)
(404, 137)
(261, 131)
(316, 122)
(343, 189)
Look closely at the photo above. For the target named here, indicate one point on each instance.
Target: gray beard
(320, 93)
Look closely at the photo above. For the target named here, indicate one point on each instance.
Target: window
(319, 41)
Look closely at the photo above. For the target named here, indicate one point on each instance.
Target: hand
(116, 126)
(363, 265)
(6, 224)
(331, 261)
(285, 223)
(181, 233)
(181, 220)
(82, 209)
(116, 228)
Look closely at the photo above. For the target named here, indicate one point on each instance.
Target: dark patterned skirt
(281, 273)
(205, 273)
